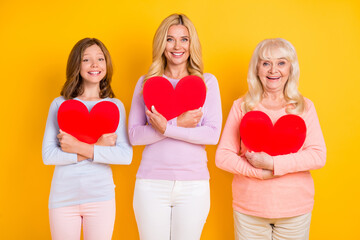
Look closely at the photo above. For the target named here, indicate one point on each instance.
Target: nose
(94, 64)
(177, 45)
(273, 68)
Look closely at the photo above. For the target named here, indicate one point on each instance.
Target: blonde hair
(295, 101)
(195, 63)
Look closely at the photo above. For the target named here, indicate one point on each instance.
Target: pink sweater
(292, 192)
(179, 153)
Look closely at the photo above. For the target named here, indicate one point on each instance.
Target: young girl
(82, 189)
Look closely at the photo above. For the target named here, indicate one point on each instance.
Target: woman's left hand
(157, 121)
(68, 143)
(260, 160)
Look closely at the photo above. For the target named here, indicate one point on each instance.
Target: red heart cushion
(75, 119)
(189, 94)
(259, 134)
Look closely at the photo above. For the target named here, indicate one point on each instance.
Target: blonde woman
(273, 196)
(172, 195)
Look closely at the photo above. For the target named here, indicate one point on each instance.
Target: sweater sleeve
(140, 133)
(208, 130)
(312, 155)
(51, 151)
(227, 157)
(122, 152)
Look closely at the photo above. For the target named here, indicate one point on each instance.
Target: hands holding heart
(189, 94)
(259, 135)
(89, 127)
(165, 102)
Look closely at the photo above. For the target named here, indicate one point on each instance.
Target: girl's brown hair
(73, 86)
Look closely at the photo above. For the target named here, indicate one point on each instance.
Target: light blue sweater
(89, 180)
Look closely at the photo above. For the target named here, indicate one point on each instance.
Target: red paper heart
(189, 94)
(75, 119)
(286, 136)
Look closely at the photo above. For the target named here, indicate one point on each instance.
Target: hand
(81, 158)
(267, 174)
(190, 118)
(260, 160)
(68, 143)
(107, 139)
(157, 121)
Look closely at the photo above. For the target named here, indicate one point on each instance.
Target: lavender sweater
(179, 153)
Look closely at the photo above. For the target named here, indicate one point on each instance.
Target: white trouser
(175, 210)
(250, 228)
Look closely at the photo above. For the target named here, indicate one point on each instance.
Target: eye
(169, 39)
(101, 59)
(265, 64)
(282, 63)
(184, 39)
(85, 60)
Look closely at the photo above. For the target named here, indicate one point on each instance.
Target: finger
(153, 109)
(248, 155)
(155, 112)
(149, 114)
(61, 131)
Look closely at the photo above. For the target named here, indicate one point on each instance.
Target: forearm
(120, 154)
(86, 150)
(53, 155)
(144, 135)
(229, 161)
(204, 135)
(305, 160)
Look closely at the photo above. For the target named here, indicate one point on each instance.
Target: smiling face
(273, 72)
(93, 65)
(177, 46)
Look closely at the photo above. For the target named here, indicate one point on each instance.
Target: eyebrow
(181, 36)
(282, 58)
(99, 53)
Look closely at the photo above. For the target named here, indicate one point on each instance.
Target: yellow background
(37, 36)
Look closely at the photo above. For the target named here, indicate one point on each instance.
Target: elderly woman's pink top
(291, 193)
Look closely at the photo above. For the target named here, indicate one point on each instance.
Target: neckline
(174, 79)
(269, 109)
(91, 101)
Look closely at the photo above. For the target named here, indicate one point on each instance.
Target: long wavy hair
(295, 101)
(73, 86)
(195, 63)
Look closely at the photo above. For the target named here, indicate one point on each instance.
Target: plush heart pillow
(75, 119)
(189, 94)
(286, 136)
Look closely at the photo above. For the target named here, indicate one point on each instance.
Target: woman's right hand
(107, 139)
(190, 118)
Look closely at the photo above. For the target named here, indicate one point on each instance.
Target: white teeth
(94, 72)
(177, 54)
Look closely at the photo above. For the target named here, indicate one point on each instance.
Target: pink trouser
(97, 219)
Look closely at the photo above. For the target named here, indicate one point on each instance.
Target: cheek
(261, 72)
(187, 47)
